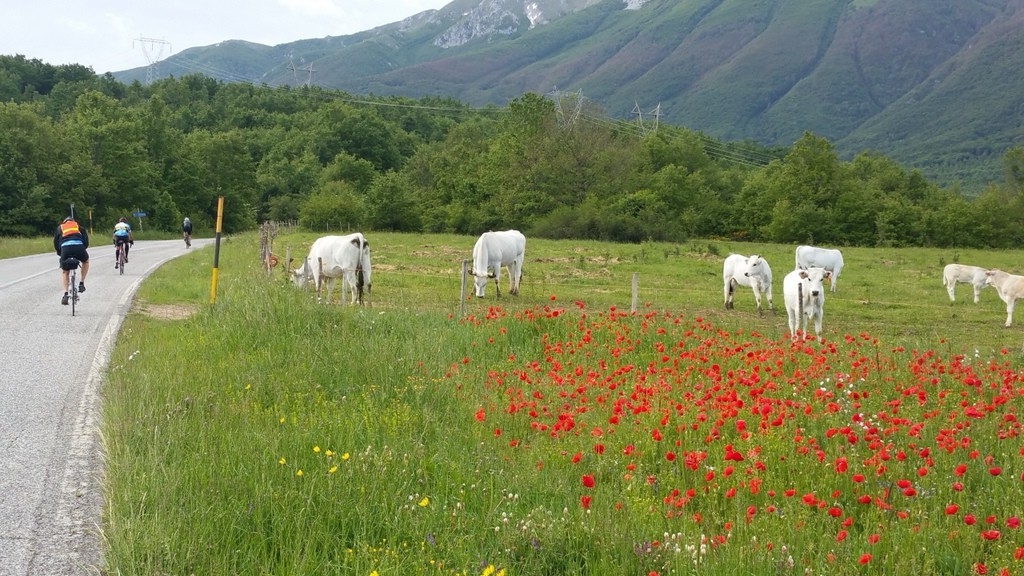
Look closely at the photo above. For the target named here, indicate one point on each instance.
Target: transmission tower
(644, 130)
(150, 45)
(566, 121)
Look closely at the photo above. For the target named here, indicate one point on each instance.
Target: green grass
(11, 246)
(265, 434)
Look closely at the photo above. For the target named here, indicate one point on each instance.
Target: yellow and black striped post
(216, 250)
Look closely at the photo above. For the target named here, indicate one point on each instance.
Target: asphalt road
(51, 368)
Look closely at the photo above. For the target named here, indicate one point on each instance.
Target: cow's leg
(817, 323)
(513, 286)
(1009, 311)
(801, 315)
(757, 297)
(977, 293)
(730, 288)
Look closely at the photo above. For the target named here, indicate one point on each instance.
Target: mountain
(934, 84)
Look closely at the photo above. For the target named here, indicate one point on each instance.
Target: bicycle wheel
(120, 259)
(73, 291)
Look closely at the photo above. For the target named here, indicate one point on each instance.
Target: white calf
(831, 260)
(1010, 288)
(753, 272)
(805, 298)
(954, 273)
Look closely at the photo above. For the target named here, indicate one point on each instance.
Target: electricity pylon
(148, 45)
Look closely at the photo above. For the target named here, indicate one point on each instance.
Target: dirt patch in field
(169, 311)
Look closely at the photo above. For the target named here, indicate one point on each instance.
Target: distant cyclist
(186, 231)
(122, 236)
(71, 241)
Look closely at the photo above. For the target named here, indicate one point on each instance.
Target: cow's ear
(828, 274)
(803, 274)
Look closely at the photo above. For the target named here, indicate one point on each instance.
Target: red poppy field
(562, 435)
(712, 451)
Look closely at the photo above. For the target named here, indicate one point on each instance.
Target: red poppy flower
(585, 502)
(969, 519)
(588, 480)
(990, 534)
(952, 509)
(864, 558)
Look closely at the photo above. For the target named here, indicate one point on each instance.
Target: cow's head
(755, 264)
(813, 279)
(990, 276)
(299, 275)
(480, 283)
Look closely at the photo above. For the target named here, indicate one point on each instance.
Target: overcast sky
(114, 35)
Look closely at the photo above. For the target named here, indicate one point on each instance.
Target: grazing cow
(1010, 288)
(805, 298)
(973, 275)
(831, 260)
(752, 271)
(346, 257)
(494, 250)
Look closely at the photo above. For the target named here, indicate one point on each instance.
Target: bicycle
(74, 263)
(120, 257)
(188, 240)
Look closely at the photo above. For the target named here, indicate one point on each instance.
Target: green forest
(334, 161)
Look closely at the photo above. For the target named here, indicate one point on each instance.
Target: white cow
(346, 257)
(494, 250)
(810, 257)
(751, 271)
(973, 275)
(805, 298)
(1010, 288)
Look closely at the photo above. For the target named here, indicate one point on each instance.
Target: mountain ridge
(934, 84)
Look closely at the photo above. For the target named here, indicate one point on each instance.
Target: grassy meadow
(558, 432)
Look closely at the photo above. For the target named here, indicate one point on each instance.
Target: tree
(335, 207)
(390, 204)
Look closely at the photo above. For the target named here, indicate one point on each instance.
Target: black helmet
(68, 219)
(123, 219)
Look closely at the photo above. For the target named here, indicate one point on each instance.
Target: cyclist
(122, 236)
(186, 230)
(71, 241)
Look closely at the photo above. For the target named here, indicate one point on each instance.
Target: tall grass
(558, 433)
